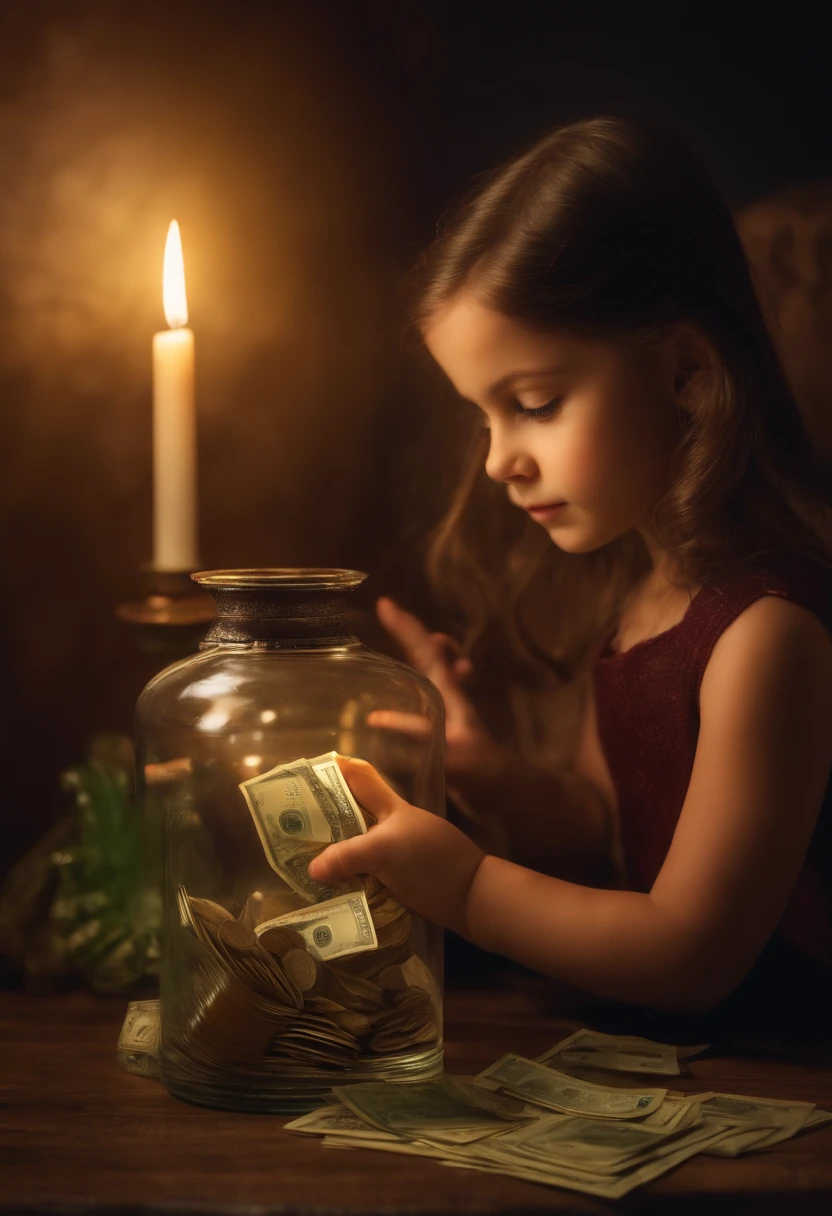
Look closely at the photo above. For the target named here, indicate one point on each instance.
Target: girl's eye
(540, 411)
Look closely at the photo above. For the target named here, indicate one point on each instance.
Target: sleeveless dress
(647, 701)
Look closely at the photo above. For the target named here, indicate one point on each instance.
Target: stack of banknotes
(577, 1117)
(304, 976)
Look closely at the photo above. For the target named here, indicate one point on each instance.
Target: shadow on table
(796, 1027)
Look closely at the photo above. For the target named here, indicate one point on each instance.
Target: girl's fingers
(463, 669)
(424, 650)
(408, 631)
(392, 719)
(427, 652)
(370, 789)
(450, 644)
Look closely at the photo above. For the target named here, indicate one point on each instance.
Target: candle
(174, 423)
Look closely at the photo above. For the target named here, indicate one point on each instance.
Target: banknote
(137, 1062)
(760, 1122)
(738, 1108)
(299, 809)
(350, 813)
(137, 1050)
(587, 1182)
(573, 1142)
(336, 1120)
(331, 929)
(142, 1027)
(620, 1053)
(677, 1111)
(404, 1148)
(538, 1083)
(407, 1110)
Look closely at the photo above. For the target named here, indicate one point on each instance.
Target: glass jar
(273, 987)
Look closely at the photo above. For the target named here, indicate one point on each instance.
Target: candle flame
(173, 280)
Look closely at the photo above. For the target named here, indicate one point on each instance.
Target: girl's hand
(470, 749)
(427, 863)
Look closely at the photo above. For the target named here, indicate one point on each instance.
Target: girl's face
(574, 421)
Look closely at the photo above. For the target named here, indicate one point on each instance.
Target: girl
(592, 301)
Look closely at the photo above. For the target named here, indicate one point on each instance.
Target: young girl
(593, 302)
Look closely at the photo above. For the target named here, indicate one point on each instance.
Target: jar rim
(322, 577)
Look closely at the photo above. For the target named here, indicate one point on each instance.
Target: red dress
(647, 701)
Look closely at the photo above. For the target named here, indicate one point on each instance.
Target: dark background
(307, 151)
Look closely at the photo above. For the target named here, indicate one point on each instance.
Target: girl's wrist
(462, 922)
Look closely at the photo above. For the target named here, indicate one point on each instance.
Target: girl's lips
(545, 512)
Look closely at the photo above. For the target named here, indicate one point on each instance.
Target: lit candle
(174, 423)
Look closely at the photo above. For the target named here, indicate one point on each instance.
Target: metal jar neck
(279, 609)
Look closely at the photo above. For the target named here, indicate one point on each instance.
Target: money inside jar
(315, 975)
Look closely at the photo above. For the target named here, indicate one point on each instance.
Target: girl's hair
(611, 229)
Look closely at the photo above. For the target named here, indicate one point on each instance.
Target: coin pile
(267, 992)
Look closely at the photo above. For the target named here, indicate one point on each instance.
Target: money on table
(625, 1053)
(547, 1087)
(625, 1137)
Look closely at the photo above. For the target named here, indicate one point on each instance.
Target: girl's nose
(506, 460)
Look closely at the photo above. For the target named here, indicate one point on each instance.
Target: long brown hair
(612, 229)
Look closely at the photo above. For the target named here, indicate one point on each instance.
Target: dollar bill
(677, 1111)
(404, 1148)
(571, 1141)
(620, 1053)
(299, 809)
(337, 1120)
(139, 1041)
(332, 929)
(760, 1122)
(141, 1030)
(350, 813)
(738, 1108)
(592, 1183)
(442, 1107)
(535, 1082)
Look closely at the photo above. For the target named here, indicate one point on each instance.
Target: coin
(280, 939)
(306, 971)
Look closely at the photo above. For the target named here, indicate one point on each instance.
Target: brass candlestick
(173, 616)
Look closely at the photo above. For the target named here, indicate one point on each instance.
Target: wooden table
(80, 1136)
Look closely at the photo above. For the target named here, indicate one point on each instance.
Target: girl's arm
(762, 762)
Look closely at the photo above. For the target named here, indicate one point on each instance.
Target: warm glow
(252, 761)
(173, 280)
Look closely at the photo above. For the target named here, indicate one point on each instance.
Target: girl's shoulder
(784, 574)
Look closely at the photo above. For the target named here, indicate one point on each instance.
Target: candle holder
(173, 616)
